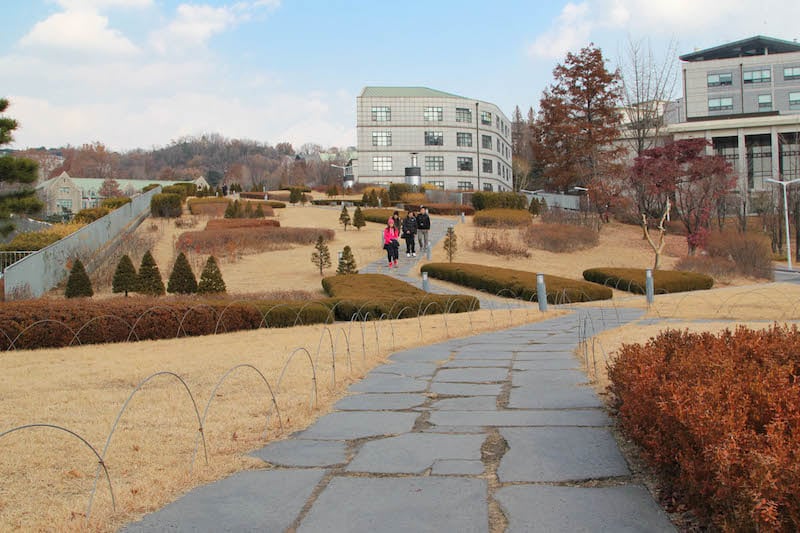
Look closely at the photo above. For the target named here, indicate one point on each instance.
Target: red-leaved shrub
(719, 417)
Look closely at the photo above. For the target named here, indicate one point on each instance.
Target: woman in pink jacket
(391, 244)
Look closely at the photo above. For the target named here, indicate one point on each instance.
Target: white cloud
(195, 24)
(78, 31)
(569, 32)
(95, 5)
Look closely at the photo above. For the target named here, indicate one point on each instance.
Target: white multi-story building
(745, 98)
(419, 136)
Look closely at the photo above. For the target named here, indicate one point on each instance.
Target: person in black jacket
(423, 225)
(410, 233)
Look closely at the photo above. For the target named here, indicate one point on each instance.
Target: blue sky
(142, 73)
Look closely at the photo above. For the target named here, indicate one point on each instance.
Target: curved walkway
(489, 433)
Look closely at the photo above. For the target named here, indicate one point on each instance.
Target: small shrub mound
(239, 223)
(373, 296)
(718, 416)
(501, 218)
(210, 206)
(634, 280)
(717, 267)
(751, 253)
(516, 283)
(90, 214)
(498, 243)
(494, 200)
(166, 205)
(560, 238)
(115, 202)
(378, 215)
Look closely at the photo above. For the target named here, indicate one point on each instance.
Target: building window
(465, 186)
(436, 183)
(758, 154)
(789, 149)
(794, 100)
(498, 146)
(433, 114)
(499, 169)
(757, 76)
(434, 162)
(65, 205)
(434, 138)
(463, 114)
(487, 166)
(497, 121)
(382, 163)
(764, 102)
(486, 142)
(381, 114)
(464, 163)
(717, 80)
(63, 190)
(463, 139)
(720, 104)
(791, 73)
(381, 138)
(488, 187)
(486, 118)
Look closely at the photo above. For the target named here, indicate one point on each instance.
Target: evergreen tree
(365, 199)
(450, 243)
(384, 198)
(248, 210)
(124, 276)
(322, 256)
(358, 219)
(259, 212)
(149, 281)
(295, 195)
(78, 284)
(373, 198)
(347, 265)
(16, 176)
(344, 217)
(182, 280)
(535, 207)
(230, 211)
(211, 279)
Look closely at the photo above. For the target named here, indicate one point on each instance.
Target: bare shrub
(716, 267)
(498, 243)
(749, 251)
(230, 243)
(556, 215)
(560, 238)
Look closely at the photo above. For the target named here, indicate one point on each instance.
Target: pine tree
(365, 199)
(182, 280)
(535, 207)
(295, 195)
(16, 176)
(358, 219)
(384, 198)
(78, 284)
(259, 212)
(124, 276)
(248, 210)
(322, 256)
(230, 210)
(149, 281)
(373, 198)
(347, 264)
(450, 243)
(344, 217)
(211, 279)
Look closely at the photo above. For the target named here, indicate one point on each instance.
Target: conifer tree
(365, 199)
(78, 284)
(385, 200)
(230, 210)
(259, 212)
(358, 219)
(211, 279)
(322, 256)
(344, 217)
(248, 210)
(124, 276)
(450, 243)
(149, 282)
(182, 280)
(347, 265)
(373, 198)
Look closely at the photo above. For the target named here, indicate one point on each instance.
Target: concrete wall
(39, 272)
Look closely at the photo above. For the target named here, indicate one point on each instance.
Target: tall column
(742, 151)
(776, 154)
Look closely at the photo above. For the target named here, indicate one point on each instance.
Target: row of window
(436, 138)
(436, 114)
(763, 75)
(764, 102)
(435, 163)
(462, 185)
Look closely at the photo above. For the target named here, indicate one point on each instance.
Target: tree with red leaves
(577, 123)
(683, 173)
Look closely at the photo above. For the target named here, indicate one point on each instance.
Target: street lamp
(785, 184)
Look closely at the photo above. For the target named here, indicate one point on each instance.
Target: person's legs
(424, 239)
(389, 253)
(413, 242)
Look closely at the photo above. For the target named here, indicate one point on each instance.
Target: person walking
(423, 226)
(410, 233)
(391, 243)
(397, 222)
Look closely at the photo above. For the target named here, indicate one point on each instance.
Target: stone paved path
(494, 432)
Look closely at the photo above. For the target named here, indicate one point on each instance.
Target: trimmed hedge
(502, 218)
(444, 209)
(516, 283)
(90, 214)
(499, 200)
(236, 223)
(378, 215)
(634, 280)
(373, 296)
(167, 205)
(56, 323)
(115, 202)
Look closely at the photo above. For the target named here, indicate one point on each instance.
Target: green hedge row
(517, 283)
(498, 200)
(167, 205)
(377, 215)
(634, 280)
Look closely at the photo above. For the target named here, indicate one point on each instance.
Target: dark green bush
(516, 283)
(211, 278)
(498, 200)
(175, 189)
(634, 280)
(166, 205)
(115, 203)
(149, 280)
(125, 277)
(378, 215)
(78, 284)
(397, 190)
(182, 280)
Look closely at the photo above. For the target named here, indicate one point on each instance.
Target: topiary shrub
(502, 218)
(125, 277)
(211, 278)
(347, 264)
(149, 280)
(634, 280)
(379, 216)
(498, 200)
(166, 205)
(78, 284)
(516, 283)
(182, 280)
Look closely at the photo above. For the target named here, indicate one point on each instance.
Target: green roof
(752, 46)
(94, 184)
(419, 92)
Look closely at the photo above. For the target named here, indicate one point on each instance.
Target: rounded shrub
(634, 280)
(166, 205)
